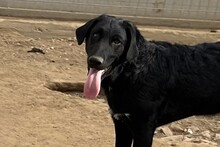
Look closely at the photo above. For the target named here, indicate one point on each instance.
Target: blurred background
(182, 13)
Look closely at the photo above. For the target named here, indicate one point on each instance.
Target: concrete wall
(192, 10)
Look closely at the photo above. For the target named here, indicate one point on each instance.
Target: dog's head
(109, 41)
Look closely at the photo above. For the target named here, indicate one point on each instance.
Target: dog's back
(190, 79)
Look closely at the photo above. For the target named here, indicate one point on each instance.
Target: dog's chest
(119, 96)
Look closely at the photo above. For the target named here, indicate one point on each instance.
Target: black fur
(154, 82)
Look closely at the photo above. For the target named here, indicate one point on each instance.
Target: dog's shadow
(70, 88)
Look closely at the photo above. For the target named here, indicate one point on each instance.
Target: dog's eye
(96, 36)
(116, 42)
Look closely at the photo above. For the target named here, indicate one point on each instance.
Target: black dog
(148, 83)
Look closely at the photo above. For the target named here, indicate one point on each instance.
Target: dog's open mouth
(93, 83)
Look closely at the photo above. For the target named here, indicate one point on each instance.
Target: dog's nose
(95, 60)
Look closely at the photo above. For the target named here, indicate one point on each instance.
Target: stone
(217, 138)
(176, 127)
(191, 130)
(188, 131)
(166, 131)
(209, 142)
(206, 134)
(192, 139)
(178, 138)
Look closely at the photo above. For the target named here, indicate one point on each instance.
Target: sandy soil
(33, 115)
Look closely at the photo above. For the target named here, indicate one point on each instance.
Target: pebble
(209, 142)
(166, 131)
(178, 138)
(191, 130)
(217, 138)
(176, 127)
(206, 134)
(194, 140)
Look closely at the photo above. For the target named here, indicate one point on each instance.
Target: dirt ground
(33, 115)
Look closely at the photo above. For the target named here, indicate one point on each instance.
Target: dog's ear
(83, 31)
(131, 46)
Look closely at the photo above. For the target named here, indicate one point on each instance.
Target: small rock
(217, 128)
(217, 138)
(194, 140)
(187, 138)
(209, 142)
(213, 31)
(173, 144)
(206, 134)
(36, 50)
(88, 117)
(75, 39)
(166, 131)
(178, 138)
(176, 127)
(61, 39)
(191, 130)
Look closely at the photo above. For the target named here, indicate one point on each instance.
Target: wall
(142, 11)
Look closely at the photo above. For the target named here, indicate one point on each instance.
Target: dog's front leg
(123, 134)
(143, 133)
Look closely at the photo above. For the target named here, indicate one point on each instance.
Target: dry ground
(32, 115)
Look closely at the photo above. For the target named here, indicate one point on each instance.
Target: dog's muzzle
(95, 61)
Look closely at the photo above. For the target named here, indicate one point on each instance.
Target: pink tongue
(93, 83)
